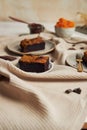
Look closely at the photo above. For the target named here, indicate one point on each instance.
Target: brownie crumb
(71, 48)
(82, 48)
(68, 91)
(77, 90)
(73, 45)
(7, 57)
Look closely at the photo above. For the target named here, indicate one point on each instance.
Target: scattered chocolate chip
(52, 60)
(77, 90)
(82, 48)
(68, 91)
(10, 58)
(73, 45)
(71, 48)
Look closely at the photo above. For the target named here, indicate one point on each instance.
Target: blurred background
(43, 10)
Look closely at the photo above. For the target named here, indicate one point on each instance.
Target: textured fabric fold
(25, 105)
(49, 110)
(59, 72)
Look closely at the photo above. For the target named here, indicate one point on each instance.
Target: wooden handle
(18, 20)
(79, 66)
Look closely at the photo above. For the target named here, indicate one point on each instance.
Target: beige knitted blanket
(38, 101)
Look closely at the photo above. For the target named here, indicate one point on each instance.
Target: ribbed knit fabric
(25, 105)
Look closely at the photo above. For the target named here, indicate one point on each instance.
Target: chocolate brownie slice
(32, 63)
(28, 45)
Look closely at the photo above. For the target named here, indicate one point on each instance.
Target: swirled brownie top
(33, 41)
(34, 59)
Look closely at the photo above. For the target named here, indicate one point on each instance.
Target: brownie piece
(28, 45)
(84, 58)
(32, 63)
(77, 90)
(68, 91)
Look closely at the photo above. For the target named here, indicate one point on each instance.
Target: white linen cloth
(26, 103)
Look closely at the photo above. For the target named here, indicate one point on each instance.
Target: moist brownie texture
(32, 63)
(28, 45)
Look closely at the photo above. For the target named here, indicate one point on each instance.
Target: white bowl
(64, 32)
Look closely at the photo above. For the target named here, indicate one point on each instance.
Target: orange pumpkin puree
(64, 23)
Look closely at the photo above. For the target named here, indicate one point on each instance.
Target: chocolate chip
(82, 48)
(68, 91)
(71, 48)
(77, 90)
(6, 57)
(73, 45)
(52, 60)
